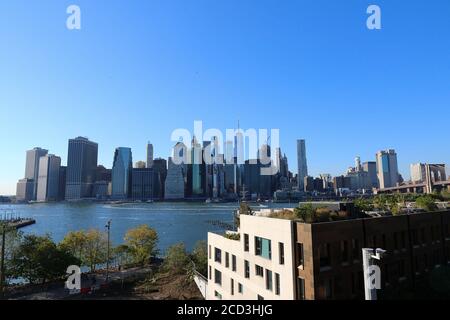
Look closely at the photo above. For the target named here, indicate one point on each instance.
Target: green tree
(123, 255)
(363, 205)
(38, 259)
(96, 248)
(141, 242)
(305, 212)
(177, 260)
(13, 238)
(200, 257)
(445, 194)
(427, 203)
(75, 242)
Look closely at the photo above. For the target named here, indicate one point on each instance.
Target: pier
(12, 220)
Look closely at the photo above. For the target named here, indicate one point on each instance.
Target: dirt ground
(163, 286)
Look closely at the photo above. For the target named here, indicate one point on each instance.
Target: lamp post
(372, 273)
(2, 259)
(108, 227)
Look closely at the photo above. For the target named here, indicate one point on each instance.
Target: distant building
(103, 174)
(371, 168)
(387, 169)
(301, 164)
(25, 189)
(48, 181)
(174, 185)
(160, 170)
(308, 184)
(142, 184)
(62, 183)
(121, 173)
(149, 155)
(102, 190)
(81, 168)
(32, 167)
(140, 164)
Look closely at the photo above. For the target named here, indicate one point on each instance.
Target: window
(240, 288)
(355, 249)
(277, 284)
(246, 244)
(259, 271)
(217, 255)
(263, 248)
(300, 255)
(324, 255)
(344, 251)
(260, 297)
(227, 260)
(354, 286)
(269, 280)
(281, 252)
(247, 269)
(217, 277)
(301, 288)
(210, 273)
(233, 263)
(217, 295)
(232, 287)
(209, 252)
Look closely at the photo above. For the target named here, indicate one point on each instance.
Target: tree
(141, 242)
(177, 260)
(363, 205)
(13, 238)
(96, 248)
(305, 212)
(200, 257)
(445, 194)
(75, 242)
(427, 203)
(38, 259)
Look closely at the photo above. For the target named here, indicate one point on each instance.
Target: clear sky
(137, 70)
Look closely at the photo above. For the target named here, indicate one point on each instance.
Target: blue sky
(137, 70)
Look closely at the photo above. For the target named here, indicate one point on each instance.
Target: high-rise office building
(48, 181)
(174, 185)
(142, 184)
(195, 170)
(25, 189)
(149, 155)
(371, 168)
(81, 168)
(387, 169)
(62, 183)
(160, 170)
(301, 164)
(32, 167)
(121, 173)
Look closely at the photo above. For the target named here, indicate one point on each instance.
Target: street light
(371, 270)
(108, 227)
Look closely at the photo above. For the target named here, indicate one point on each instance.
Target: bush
(427, 203)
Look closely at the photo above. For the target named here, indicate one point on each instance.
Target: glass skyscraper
(121, 173)
(81, 168)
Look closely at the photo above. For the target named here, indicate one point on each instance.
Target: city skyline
(312, 70)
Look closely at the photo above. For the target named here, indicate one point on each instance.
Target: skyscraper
(160, 170)
(371, 168)
(174, 186)
(121, 173)
(387, 169)
(32, 167)
(81, 168)
(142, 184)
(25, 188)
(301, 164)
(196, 168)
(149, 155)
(48, 181)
